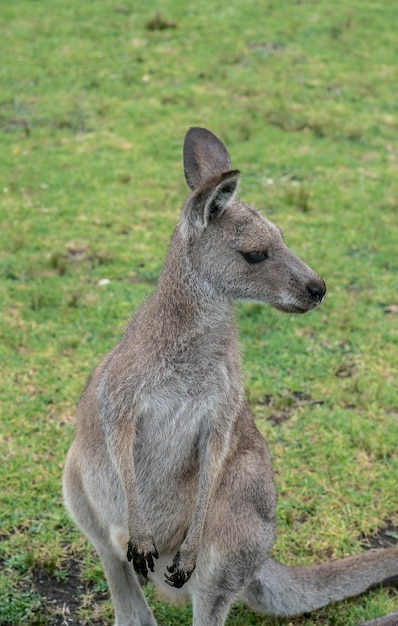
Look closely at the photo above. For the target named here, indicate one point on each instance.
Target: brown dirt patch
(62, 598)
(385, 537)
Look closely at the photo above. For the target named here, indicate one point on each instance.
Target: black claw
(175, 581)
(141, 561)
(130, 551)
(178, 577)
(140, 566)
(149, 558)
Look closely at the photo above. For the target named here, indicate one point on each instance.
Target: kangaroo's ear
(205, 157)
(209, 203)
(221, 196)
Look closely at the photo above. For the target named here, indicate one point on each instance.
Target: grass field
(95, 100)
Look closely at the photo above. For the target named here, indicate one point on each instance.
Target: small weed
(58, 263)
(159, 23)
(354, 133)
(298, 196)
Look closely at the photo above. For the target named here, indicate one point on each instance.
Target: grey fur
(167, 468)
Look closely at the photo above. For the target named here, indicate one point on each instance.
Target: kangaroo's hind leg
(225, 568)
(236, 540)
(217, 583)
(131, 608)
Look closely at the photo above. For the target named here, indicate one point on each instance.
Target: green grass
(94, 105)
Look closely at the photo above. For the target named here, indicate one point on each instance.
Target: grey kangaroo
(168, 475)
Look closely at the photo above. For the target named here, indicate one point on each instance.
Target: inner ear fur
(221, 196)
(208, 203)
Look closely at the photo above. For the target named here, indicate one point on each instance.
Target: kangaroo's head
(234, 252)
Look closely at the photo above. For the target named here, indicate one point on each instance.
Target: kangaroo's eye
(255, 257)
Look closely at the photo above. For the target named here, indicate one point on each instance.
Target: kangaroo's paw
(178, 575)
(142, 560)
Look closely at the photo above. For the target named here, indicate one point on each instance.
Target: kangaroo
(168, 476)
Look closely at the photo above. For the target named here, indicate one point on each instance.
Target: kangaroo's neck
(187, 309)
(183, 310)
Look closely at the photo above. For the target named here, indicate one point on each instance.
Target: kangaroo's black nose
(317, 289)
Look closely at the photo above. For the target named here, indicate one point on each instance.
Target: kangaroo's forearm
(140, 547)
(212, 465)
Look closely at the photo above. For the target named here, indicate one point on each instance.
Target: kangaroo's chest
(175, 417)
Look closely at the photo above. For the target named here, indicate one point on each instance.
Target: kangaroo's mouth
(294, 305)
(294, 309)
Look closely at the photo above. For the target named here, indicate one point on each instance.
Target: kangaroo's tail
(287, 591)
